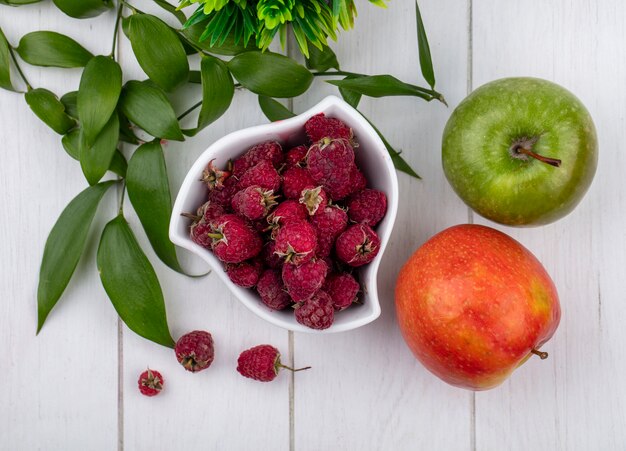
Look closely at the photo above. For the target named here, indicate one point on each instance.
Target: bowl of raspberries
(294, 217)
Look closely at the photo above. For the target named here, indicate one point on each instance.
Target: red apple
(473, 304)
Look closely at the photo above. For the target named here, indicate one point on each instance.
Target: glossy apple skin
(520, 191)
(472, 303)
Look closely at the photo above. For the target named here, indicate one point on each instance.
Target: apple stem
(542, 355)
(551, 161)
(522, 149)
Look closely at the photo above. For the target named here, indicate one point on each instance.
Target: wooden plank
(216, 409)
(60, 388)
(570, 401)
(365, 390)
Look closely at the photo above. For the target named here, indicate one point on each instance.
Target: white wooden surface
(74, 386)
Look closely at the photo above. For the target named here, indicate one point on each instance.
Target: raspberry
(367, 207)
(328, 224)
(261, 363)
(253, 202)
(195, 350)
(296, 242)
(305, 280)
(244, 274)
(214, 177)
(224, 195)
(358, 245)
(200, 234)
(316, 313)
(287, 211)
(150, 382)
(233, 240)
(357, 180)
(342, 289)
(263, 175)
(330, 163)
(269, 257)
(314, 199)
(210, 210)
(272, 290)
(295, 179)
(270, 150)
(296, 156)
(320, 127)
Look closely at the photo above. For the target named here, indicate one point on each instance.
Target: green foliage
(48, 48)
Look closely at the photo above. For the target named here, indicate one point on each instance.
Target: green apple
(520, 151)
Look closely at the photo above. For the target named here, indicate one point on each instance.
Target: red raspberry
(367, 207)
(214, 177)
(270, 150)
(261, 363)
(263, 175)
(343, 289)
(328, 224)
(269, 257)
(195, 350)
(272, 290)
(295, 179)
(305, 280)
(296, 156)
(287, 211)
(316, 313)
(330, 163)
(200, 234)
(358, 245)
(296, 242)
(245, 274)
(224, 196)
(357, 180)
(150, 382)
(233, 239)
(320, 127)
(210, 210)
(314, 199)
(253, 202)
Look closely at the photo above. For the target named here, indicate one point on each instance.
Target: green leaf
(270, 74)
(71, 144)
(47, 48)
(99, 91)
(158, 50)
(351, 97)
(217, 90)
(49, 109)
(70, 102)
(126, 130)
(180, 16)
(149, 192)
(96, 159)
(131, 283)
(382, 86)
(148, 107)
(5, 63)
(119, 164)
(320, 60)
(195, 77)
(18, 2)
(426, 62)
(274, 110)
(227, 48)
(82, 9)
(64, 247)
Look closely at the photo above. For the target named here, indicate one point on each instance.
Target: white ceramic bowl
(372, 158)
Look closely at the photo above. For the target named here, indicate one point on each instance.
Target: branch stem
(116, 29)
(19, 69)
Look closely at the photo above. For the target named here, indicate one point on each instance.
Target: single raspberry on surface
(358, 245)
(272, 290)
(263, 174)
(330, 163)
(296, 242)
(262, 363)
(253, 202)
(303, 281)
(329, 223)
(245, 274)
(270, 150)
(367, 207)
(233, 240)
(314, 199)
(295, 179)
(150, 382)
(195, 351)
(296, 156)
(316, 313)
(343, 289)
(320, 126)
(214, 177)
(269, 256)
(224, 195)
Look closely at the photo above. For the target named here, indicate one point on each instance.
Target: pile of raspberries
(295, 224)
